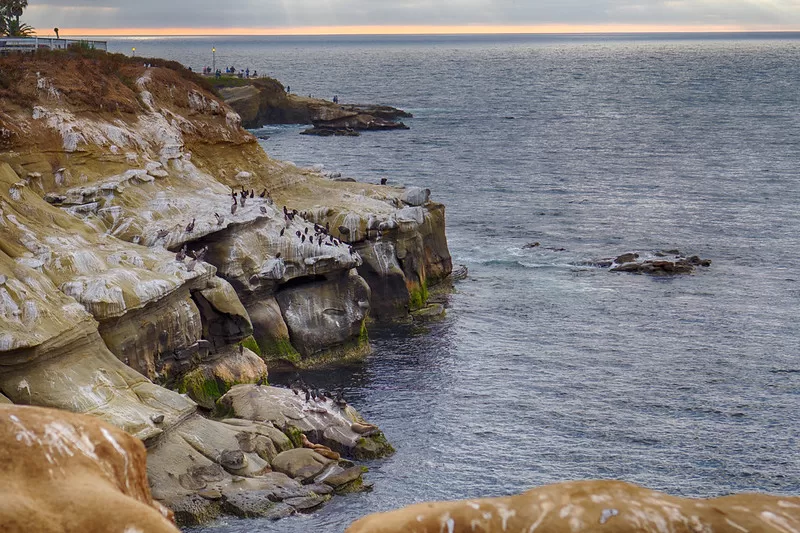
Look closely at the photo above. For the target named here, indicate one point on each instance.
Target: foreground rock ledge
(585, 506)
(73, 473)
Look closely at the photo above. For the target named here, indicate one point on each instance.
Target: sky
(215, 17)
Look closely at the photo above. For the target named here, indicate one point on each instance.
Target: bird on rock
(200, 254)
(190, 227)
(252, 193)
(263, 193)
(234, 206)
(162, 233)
(181, 255)
(283, 230)
(263, 210)
(220, 219)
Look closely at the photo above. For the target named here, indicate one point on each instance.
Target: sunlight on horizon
(419, 30)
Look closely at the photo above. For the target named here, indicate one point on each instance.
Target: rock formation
(127, 275)
(66, 472)
(591, 506)
(657, 263)
(264, 101)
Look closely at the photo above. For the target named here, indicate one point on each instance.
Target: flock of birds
(299, 387)
(320, 237)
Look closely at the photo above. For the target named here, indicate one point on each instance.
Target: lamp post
(214, 60)
(133, 51)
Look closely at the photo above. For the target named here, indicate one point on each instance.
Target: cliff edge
(152, 256)
(262, 101)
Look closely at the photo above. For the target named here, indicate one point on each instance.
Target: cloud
(305, 13)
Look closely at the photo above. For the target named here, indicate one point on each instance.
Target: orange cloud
(419, 30)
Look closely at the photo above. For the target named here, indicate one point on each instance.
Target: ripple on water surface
(548, 369)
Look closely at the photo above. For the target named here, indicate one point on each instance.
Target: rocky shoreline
(155, 262)
(263, 101)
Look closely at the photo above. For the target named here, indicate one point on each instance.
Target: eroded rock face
(126, 275)
(265, 101)
(591, 506)
(46, 454)
(326, 314)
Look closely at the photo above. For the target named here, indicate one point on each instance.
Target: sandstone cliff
(592, 506)
(265, 101)
(127, 277)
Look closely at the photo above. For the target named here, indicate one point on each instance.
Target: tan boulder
(595, 506)
(64, 472)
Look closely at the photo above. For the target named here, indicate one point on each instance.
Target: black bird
(302, 238)
(263, 210)
(278, 255)
(298, 233)
(233, 193)
(234, 206)
(252, 193)
(383, 181)
(306, 231)
(285, 211)
(263, 193)
(327, 227)
(282, 231)
(339, 400)
(190, 227)
(241, 348)
(181, 255)
(261, 381)
(162, 233)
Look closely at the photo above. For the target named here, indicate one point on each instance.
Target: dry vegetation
(87, 79)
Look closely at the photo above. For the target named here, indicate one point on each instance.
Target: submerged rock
(587, 506)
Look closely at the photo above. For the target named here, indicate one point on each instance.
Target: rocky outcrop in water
(134, 269)
(67, 472)
(657, 263)
(586, 506)
(264, 101)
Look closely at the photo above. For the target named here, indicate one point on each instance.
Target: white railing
(29, 44)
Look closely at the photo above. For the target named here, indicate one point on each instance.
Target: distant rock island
(264, 101)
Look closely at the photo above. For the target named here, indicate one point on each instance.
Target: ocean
(548, 368)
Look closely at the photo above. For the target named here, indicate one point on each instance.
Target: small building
(31, 44)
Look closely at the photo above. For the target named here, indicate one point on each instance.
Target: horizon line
(309, 31)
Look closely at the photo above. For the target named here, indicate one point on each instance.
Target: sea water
(548, 368)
